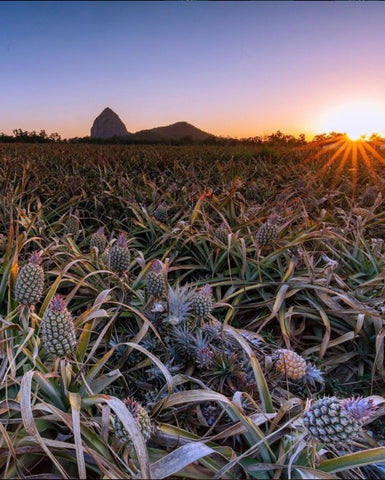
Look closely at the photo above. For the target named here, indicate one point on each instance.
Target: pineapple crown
(122, 240)
(35, 258)
(58, 304)
(206, 291)
(135, 408)
(179, 304)
(313, 375)
(100, 231)
(359, 408)
(273, 219)
(157, 266)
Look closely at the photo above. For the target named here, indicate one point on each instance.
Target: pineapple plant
(120, 254)
(337, 422)
(161, 212)
(267, 232)
(30, 281)
(98, 240)
(141, 417)
(202, 303)
(57, 329)
(156, 284)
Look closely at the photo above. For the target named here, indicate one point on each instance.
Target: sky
(230, 68)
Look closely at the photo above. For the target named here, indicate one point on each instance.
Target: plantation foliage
(191, 311)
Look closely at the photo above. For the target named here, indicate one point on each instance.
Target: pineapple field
(197, 312)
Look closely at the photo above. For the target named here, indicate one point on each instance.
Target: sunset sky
(229, 68)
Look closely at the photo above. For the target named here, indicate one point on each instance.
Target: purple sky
(230, 68)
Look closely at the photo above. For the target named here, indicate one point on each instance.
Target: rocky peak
(107, 125)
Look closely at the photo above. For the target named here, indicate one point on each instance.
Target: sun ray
(362, 150)
(375, 153)
(334, 157)
(342, 164)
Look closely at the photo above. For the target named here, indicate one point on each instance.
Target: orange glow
(357, 119)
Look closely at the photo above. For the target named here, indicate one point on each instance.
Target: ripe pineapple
(156, 280)
(120, 254)
(98, 240)
(141, 417)
(72, 225)
(294, 367)
(202, 303)
(267, 232)
(291, 364)
(57, 328)
(30, 281)
(160, 213)
(337, 422)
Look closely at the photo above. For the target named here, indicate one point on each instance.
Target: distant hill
(176, 131)
(108, 125)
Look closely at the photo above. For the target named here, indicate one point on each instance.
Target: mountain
(108, 125)
(176, 131)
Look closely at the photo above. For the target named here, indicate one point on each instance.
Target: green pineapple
(141, 417)
(202, 303)
(252, 191)
(369, 197)
(222, 232)
(267, 232)
(30, 281)
(98, 240)
(72, 225)
(161, 212)
(57, 328)
(3, 242)
(120, 254)
(156, 284)
(337, 422)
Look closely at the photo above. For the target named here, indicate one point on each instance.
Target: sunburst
(339, 152)
(358, 150)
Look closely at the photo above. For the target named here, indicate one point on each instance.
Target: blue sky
(230, 68)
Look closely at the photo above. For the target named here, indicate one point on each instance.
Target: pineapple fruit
(57, 329)
(202, 303)
(120, 254)
(141, 417)
(337, 422)
(161, 212)
(30, 281)
(291, 364)
(222, 233)
(369, 197)
(267, 232)
(156, 280)
(72, 225)
(98, 240)
(295, 367)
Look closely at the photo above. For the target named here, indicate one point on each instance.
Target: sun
(358, 120)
